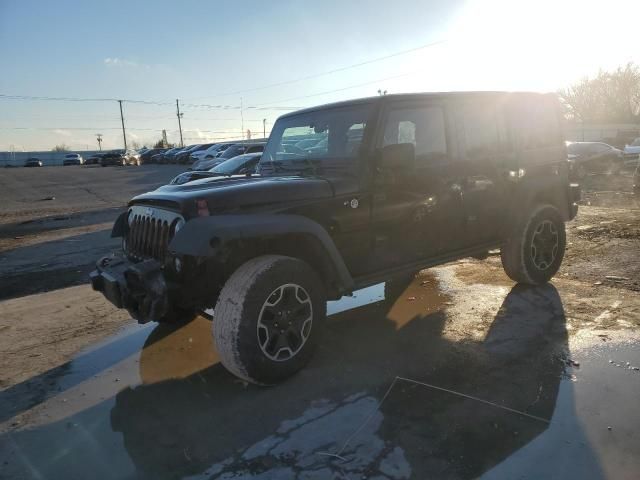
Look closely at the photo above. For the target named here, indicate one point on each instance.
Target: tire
(534, 251)
(244, 324)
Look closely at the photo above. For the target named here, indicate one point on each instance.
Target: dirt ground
(459, 374)
(47, 248)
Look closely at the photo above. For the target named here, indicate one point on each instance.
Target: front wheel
(534, 251)
(268, 318)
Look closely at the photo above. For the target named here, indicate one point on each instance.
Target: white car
(211, 151)
(72, 159)
(631, 153)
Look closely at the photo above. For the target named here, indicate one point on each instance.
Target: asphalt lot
(459, 374)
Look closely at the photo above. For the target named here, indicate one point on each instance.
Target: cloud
(120, 62)
(64, 133)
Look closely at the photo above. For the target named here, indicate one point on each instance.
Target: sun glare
(517, 45)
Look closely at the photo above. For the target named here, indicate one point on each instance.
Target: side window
(538, 123)
(484, 130)
(423, 127)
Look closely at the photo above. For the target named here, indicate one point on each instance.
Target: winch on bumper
(139, 287)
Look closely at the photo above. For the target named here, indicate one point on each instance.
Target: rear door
(487, 160)
(417, 213)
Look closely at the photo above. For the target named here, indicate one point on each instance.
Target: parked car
(146, 157)
(307, 143)
(159, 157)
(120, 158)
(592, 157)
(133, 157)
(436, 177)
(93, 159)
(72, 159)
(163, 157)
(631, 152)
(185, 155)
(240, 165)
(33, 162)
(173, 158)
(230, 152)
(211, 151)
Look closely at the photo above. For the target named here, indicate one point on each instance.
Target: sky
(232, 64)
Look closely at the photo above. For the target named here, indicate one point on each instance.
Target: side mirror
(401, 155)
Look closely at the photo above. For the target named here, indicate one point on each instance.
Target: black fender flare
(206, 236)
(121, 225)
(552, 189)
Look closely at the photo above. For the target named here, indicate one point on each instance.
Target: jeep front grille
(150, 231)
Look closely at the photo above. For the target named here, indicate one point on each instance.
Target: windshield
(231, 166)
(636, 142)
(318, 136)
(233, 151)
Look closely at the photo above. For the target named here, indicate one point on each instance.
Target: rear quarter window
(536, 121)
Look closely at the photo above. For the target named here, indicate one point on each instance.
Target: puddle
(155, 402)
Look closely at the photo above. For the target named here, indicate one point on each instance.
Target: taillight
(203, 208)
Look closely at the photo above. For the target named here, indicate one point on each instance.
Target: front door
(417, 212)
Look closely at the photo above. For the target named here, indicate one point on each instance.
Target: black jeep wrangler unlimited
(346, 195)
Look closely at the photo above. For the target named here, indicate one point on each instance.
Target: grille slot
(150, 232)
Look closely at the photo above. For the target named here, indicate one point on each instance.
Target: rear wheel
(534, 251)
(268, 318)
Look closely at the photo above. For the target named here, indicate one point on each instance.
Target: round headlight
(179, 225)
(130, 218)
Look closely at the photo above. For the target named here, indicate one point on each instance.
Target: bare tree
(162, 143)
(60, 148)
(609, 97)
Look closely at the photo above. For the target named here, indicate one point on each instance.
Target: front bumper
(138, 287)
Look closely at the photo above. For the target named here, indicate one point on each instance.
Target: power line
(142, 102)
(79, 128)
(341, 89)
(79, 99)
(119, 128)
(328, 72)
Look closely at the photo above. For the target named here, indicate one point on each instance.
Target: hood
(237, 192)
(206, 164)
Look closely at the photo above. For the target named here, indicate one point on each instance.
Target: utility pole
(179, 121)
(99, 136)
(124, 135)
(241, 119)
(264, 128)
